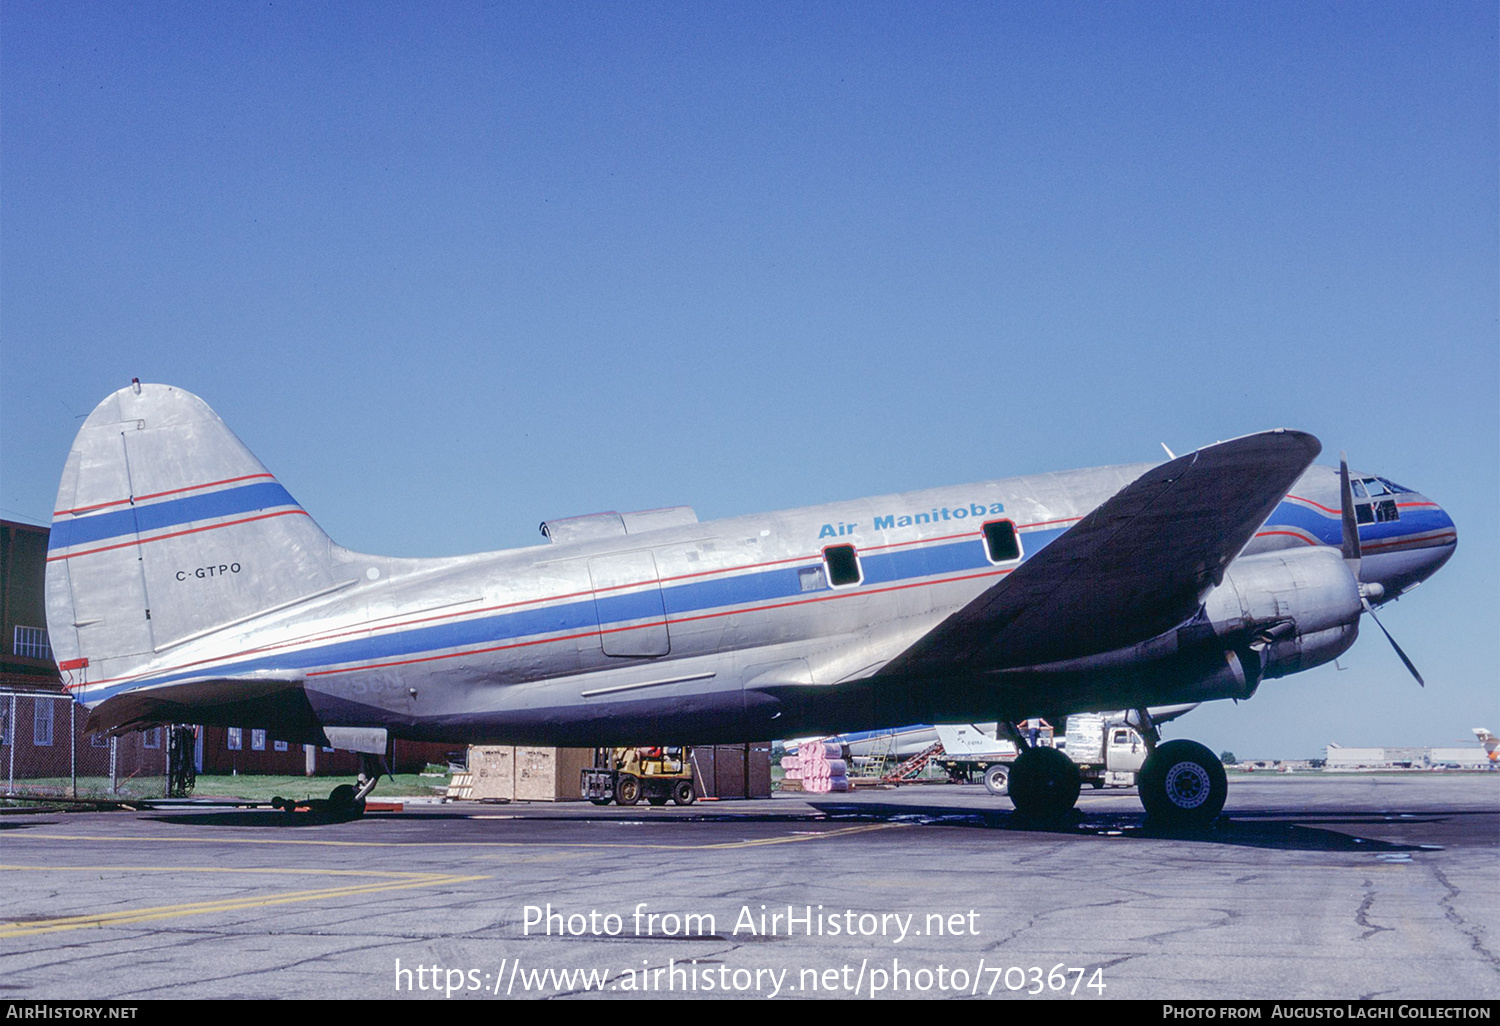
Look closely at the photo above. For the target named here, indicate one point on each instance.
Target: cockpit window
(1358, 488)
(1382, 511)
(1375, 486)
(1395, 488)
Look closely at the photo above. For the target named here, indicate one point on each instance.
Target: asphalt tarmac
(1314, 886)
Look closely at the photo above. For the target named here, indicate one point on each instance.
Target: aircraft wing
(1136, 566)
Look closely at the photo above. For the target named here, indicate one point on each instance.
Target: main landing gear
(1182, 785)
(1043, 783)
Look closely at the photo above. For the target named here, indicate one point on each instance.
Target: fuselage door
(627, 599)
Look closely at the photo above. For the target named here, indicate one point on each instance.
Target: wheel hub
(1187, 785)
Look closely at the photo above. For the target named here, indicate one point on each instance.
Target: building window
(257, 740)
(1001, 542)
(32, 643)
(235, 738)
(151, 738)
(280, 746)
(5, 723)
(41, 722)
(843, 565)
(98, 741)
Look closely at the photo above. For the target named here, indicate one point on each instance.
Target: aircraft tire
(341, 801)
(627, 789)
(1182, 784)
(997, 780)
(1044, 783)
(682, 792)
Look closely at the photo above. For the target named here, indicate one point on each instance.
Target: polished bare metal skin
(185, 584)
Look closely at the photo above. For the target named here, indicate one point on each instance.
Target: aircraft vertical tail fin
(167, 527)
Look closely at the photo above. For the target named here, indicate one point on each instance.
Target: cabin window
(843, 565)
(1001, 542)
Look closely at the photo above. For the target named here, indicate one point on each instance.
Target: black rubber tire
(1044, 783)
(341, 801)
(683, 793)
(1182, 784)
(627, 789)
(997, 780)
(657, 799)
(601, 801)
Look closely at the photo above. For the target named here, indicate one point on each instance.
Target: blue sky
(451, 269)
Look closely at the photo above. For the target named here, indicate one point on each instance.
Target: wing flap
(1136, 566)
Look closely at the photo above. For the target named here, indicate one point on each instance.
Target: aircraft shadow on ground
(1276, 830)
(1312, 830)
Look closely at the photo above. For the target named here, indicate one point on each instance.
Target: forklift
(626, 775)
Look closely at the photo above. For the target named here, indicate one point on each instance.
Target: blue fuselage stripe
(705, 597)
(1328, 529)
(693, 598)
(172, 513)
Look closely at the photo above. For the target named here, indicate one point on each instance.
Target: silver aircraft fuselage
(637, 628)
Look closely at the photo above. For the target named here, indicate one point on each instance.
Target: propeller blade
(1346, 514)
(1409, 665)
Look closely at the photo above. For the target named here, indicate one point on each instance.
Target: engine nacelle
(1298, 608)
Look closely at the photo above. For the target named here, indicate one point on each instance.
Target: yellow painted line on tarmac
(391, 882)
(565, 845)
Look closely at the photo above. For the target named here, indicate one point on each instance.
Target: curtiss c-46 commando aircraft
(185, 585)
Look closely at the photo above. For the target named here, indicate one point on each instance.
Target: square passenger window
(1001, 542)
(810, 578)
(843, 565)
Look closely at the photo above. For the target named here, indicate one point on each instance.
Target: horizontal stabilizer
(280, 705)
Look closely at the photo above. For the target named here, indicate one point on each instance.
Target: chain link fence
(44, 752)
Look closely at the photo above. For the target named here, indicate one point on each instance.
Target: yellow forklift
(626, 775)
